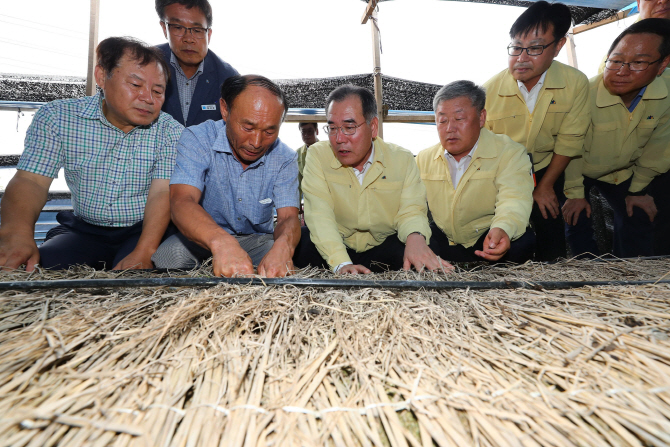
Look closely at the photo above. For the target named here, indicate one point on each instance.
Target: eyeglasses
(180, 31)
(632, 66)
(534, 50)
(347, 129)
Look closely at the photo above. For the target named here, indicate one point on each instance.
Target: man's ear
(374, 127)
(100, 76)
(559, 45)
(164, 26)
(224, 110)
(663, 65)
(482, 118)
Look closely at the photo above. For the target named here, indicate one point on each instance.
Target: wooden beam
(392, 118)
(615, 18)
(377, 71)
(571, 49)
(372, 4)
(410, 118)
(93, 26)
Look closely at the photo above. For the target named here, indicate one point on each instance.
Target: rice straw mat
(250, 365)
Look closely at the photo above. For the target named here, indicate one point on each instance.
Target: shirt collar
(368, 162)
(637, 99)
(92, 110)
(175, 63)
(470, 154)
(223, 145)
(537, 86)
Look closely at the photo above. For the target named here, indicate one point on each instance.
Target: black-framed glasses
(180, 31)
(632, 66)
(533, 50)
(347, 129)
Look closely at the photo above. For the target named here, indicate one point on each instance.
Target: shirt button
(239, 200)
(188, 103)
(239, 218)
(240, 175)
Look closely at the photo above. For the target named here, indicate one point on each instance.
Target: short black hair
(457, 89)
(539, 16)
(203, 5)
(316, 126)
(368, 101)
(660, 27)
(110, 51)
(234, 85)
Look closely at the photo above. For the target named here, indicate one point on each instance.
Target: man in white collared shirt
(479, 184)
(543, 105)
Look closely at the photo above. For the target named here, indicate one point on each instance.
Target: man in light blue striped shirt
(117, 149)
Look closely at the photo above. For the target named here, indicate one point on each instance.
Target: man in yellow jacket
(627, 148)
(543, 105)
(479, 184)
(365, 205)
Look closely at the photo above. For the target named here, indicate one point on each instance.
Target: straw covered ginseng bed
(253, 365)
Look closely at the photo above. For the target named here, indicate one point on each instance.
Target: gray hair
(368, 101)
(458, 89)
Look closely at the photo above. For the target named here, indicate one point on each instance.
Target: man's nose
(523, 57)
(340, 137)
(188, 35)
(255, 139)
(147, 95)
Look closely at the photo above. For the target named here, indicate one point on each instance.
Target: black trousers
(75, 242)
(633, 236)
(386, 256)
(550, 232)
(520, 251)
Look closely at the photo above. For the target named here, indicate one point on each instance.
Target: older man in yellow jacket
(542, 104)
(479, 184)
(365, 205)
(627, 154)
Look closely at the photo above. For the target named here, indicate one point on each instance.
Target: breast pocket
(262, 213)
(554, 118)
(644, 131)
(604, 145)
(479, 194)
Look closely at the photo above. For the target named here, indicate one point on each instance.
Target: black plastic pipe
(310, 282)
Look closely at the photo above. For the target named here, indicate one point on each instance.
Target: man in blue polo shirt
(228, 178)
(117, 149)
(192, 96)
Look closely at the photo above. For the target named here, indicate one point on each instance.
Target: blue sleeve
(285, 191)
(193, 160)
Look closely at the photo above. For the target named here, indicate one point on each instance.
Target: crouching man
(627, 147)
(479, 184)
(365, 205)
(118, 152)
(229, 177)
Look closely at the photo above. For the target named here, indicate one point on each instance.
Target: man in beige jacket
(479, 184)
(365, 205)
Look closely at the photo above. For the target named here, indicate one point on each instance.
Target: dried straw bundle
(246, 366)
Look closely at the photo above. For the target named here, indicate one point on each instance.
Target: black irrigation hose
(308, 282)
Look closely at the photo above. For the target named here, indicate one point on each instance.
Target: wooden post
(92, 43)
(377, 71)
(572, 52)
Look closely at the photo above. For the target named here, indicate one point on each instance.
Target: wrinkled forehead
(639, 43)
(348, 109)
